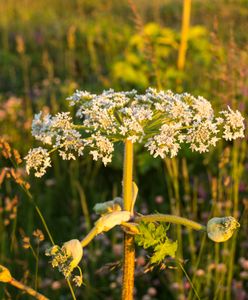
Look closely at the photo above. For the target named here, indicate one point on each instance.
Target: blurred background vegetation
(50, 48)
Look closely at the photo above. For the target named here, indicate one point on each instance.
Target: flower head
(39, 160)
(66, 258)
(161, 120)
(221, 229)
(233, 124)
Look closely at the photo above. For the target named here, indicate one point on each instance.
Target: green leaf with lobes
(155, 236)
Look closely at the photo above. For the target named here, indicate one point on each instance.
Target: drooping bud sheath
(74, 249)
(221, 229)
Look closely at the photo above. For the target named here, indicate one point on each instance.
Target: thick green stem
(171, 219)
(129, 249)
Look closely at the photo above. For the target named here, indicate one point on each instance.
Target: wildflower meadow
(123, 150)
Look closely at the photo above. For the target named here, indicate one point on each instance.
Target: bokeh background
(49, 48)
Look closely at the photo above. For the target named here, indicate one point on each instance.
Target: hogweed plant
(160, 120)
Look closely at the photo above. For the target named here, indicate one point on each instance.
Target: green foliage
(154, 236)
(154, 50)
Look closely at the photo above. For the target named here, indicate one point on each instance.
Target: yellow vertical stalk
(184, 34)
(180, 65)
(129, 250)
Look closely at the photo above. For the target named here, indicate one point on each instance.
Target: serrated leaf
(146, 237)
(160, 231)
(168, 248)
(155, 236)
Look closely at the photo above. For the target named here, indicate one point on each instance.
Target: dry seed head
(39, 235)
(26, 242)
(17, 156)
(20, 44)
(5, 148)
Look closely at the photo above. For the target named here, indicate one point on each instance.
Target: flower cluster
(161, 120)
(38, 159)
(67, 258)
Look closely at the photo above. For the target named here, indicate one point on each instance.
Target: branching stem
(90, 236)
(27, 289)
(171, 219)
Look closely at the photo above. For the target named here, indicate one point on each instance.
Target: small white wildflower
(39, 160)
(203, 109)
(202, 135)
(69, 144)
(233, 124)
(180, 111)
(78, 95)
(102, 147)
(62, 121)
(166, 142)
(41, 126)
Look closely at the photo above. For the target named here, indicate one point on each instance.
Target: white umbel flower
(39, 160)
(161, 120)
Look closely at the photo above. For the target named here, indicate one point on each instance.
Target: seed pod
(221, 229)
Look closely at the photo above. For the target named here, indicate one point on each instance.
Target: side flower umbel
(160, 120)
(67, 258)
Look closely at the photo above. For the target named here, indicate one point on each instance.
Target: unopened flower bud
(221, 229)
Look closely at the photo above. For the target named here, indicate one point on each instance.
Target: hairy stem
(171, 219)
(129, 250)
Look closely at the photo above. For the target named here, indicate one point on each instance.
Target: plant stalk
(171, 219)
(27, 289)
(184, 34)
(89, 237)
(129, 249)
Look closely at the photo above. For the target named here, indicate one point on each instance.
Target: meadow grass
(50, 48)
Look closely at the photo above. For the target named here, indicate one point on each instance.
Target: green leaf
(168, 248)
(153, 235)
(146, 238)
